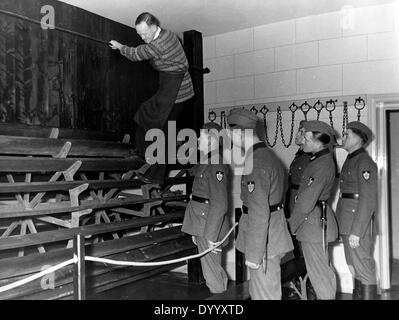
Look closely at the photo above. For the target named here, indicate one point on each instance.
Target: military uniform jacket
(261, 231)
(296, 170)
(316, 184)
(358, 175)
(208, 220)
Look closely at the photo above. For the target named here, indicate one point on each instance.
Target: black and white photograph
(196, 156)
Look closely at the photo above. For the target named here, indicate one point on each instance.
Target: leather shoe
(147, 179)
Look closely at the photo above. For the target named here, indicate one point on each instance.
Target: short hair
(361, 134)
(148, 18)
(322, 137)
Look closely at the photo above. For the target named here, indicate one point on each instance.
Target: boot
(369, 292)
(310, 293)
(357, 290)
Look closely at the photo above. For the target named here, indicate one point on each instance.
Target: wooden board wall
(55, 78)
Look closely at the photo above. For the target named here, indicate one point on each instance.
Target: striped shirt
(166, 54)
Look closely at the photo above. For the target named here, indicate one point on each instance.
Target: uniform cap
(320, 126)
(362, 128)
(301, 123)
(242, 118)
(212, 125)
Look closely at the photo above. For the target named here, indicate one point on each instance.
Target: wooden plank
(19, 187)
(14, 145)
(41, 165)
(45, 209)
(66, 234)
(100, 274)
(19, 266)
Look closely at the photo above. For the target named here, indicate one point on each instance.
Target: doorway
(392, 131)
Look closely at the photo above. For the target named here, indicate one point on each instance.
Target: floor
(173, 286)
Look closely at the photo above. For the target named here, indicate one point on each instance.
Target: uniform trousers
(266, 286)
(214, 274)
(320, 273)
(361, 259)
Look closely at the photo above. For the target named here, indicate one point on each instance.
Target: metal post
(79, 283)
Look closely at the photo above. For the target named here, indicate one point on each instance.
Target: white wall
(304, 58)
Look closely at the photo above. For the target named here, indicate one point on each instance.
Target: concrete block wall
(323, 55)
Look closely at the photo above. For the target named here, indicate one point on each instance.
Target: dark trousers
(159, 171)
(361, 259)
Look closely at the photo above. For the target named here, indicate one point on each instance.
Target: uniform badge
(219, 175)
(310, 181)
(251, 186)
(366, 175)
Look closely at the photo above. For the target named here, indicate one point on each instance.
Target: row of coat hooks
(329, 105)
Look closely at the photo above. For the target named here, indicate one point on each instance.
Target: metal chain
(360, 100)
(264, 111)
(305, 111)
(345, 118)
(318, 110)
(292, 125)
(332, 102)
(212, 116)
(223, 119)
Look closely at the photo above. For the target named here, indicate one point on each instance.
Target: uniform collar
(319, 154)
(356, 152)
(299, 152)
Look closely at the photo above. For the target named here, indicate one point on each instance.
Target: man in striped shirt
(165, 53)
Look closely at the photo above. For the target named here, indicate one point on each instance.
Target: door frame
(379, 105)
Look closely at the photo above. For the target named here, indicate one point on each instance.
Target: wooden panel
(18, 187)
(50, 147)
(41, 165)
(100, 274)
(68, 77)
(66, 234)
(18, 129)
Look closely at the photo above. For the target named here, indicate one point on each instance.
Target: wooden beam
(41, 165)
(66, 234)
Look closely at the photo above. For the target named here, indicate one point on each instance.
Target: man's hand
(211, 244)
(252, 265)
(354, 241)
(115, 45)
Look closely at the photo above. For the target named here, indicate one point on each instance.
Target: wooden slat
(66, 234)
(19, 266)
(44, 209)
(99, 274)
(41, 165)
(49, 147)
(16, 129)
(19, 187)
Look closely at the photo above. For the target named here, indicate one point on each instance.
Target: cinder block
(274, 34)
(318, 27)
(275, 84)
(297, 56)
(371, 77)
(372, 19)
(319, 79)
(210, 92)
(343, 50)
(383, 46)
(234, 42)
(235, 89)
(209, 47)
(256, 62)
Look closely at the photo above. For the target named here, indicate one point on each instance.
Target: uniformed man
(205, 217)
(356, 208)
(298, 165)
(296, 169)
(313, 193)
(263, 235)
